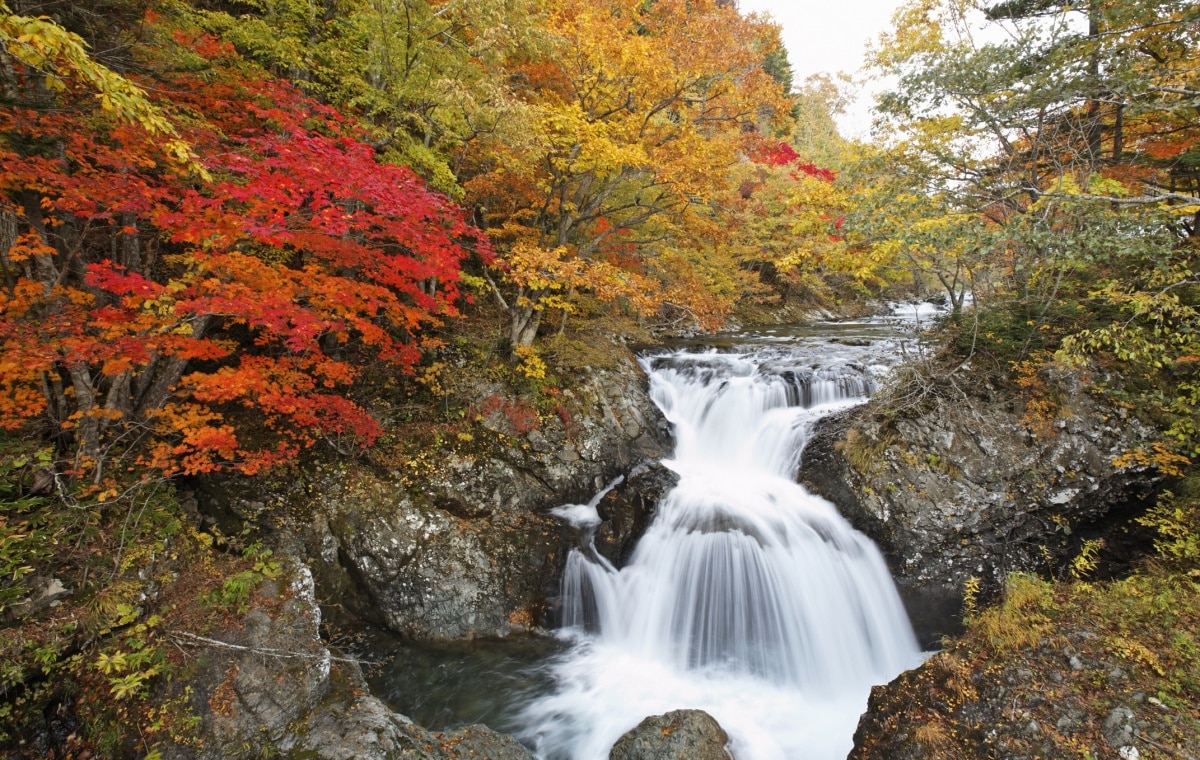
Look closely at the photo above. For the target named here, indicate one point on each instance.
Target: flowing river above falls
(747, 597)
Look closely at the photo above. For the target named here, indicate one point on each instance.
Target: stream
(747, 597)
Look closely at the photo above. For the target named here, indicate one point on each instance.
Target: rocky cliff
(269, 687)
(452, 542)
(457, 541)
(963, 487)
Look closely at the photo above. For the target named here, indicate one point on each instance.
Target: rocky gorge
(458, 547)
(466, 548)
(963, 487)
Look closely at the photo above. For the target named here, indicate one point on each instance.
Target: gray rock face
(430, 574)
(362, 728)
(677, 735)
(1118, 727)
(269, 687)
(465, 546)
(966, 490)
(256, 679)
(472, 551)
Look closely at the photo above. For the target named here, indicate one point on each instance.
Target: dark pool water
(442, 687)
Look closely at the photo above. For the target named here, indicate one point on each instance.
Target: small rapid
(748, 597)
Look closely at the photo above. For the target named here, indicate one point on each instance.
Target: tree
(635, 115)
(276, 267)
(897, 227)
(819, 101)
(1071, 144)
(790, 215)
(428, 76)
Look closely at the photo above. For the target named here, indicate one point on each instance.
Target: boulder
(267, 686)
(962, 488)
(677, 735)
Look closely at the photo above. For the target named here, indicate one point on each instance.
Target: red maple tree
(210, 318)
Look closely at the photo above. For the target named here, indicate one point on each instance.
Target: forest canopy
(210, 210)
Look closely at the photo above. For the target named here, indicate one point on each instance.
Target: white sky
(829, 36)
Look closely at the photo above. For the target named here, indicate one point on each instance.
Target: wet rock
(465, 547)
(677, 735)
(628, 508)
(273, 689)
(360, 727)
(962, 489)
(256, 679)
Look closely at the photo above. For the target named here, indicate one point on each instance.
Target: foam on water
(748, 597)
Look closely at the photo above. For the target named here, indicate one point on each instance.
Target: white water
(748, 597)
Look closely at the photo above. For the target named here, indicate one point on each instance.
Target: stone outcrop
(1055, 671)
(963, 488)
(461, 546)
(252, 680)
(464, 545)
(677, 735)
(269, 686)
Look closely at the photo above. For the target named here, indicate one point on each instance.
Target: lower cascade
(748, 597)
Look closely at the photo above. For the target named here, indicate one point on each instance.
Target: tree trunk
(1094, 128)
(87, 428)
(8, 238)
(157, 393)
(44, 268)
(525, 323)
(1119, 132)
(119, 397)
(131, 252)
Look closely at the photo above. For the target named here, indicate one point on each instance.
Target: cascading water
(748, 597)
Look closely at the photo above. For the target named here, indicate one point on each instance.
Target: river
(747, 597)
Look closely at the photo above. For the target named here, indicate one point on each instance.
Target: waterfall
(747, 597)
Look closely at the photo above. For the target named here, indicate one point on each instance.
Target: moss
(1039, 674)
(864, 450)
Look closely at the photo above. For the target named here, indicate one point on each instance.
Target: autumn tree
(261, 239)
(634, 118)
(787, 221)
(820, 99)
(906, 229)
(428, 77)
(1068, 141)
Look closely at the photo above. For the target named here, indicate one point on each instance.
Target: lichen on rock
(961, 488)
(676, 735)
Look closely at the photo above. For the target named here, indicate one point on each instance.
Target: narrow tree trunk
(1093, 126)
(8, 238)
(119, 398)
(131, 252)
(562, 323)
(87, 428)
(44, 268)
(525, 323)
(56, 400)
(163, 385)
(1119, 132)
